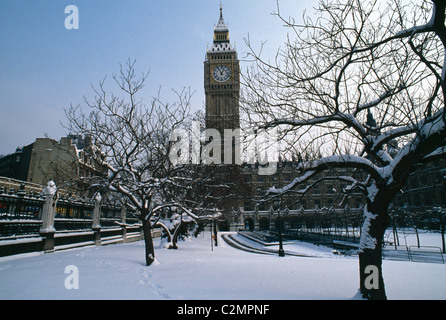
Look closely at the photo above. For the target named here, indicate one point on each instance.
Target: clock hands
(221, 73)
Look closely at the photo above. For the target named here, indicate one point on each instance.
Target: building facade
(222, 81)
(15, 165)
(67, 162)
(222, 87)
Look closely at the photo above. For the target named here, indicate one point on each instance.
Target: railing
(425, 254)
(33, 221)
(320, 237)
(21, 214)
(13, 185)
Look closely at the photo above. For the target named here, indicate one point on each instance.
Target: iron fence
(21, 213)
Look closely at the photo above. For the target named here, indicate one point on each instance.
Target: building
(222, 81)
(425, 187)
(15, 165)
(244, 209)
(65, 162)
(222, 104)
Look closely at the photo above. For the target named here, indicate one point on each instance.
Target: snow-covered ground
(196, 272)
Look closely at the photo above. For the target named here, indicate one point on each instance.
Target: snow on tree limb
(364, 81)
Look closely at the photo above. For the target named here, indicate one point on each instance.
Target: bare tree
(364, 82)
(134, 141)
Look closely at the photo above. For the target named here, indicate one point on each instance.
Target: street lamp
(281, 251)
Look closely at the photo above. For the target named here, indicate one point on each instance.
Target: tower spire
(221, 36)
(221, 25)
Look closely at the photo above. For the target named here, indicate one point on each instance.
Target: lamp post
(281, 251)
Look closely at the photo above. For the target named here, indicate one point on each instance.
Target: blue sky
(45, 67)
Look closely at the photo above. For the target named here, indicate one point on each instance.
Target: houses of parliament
(247, 210)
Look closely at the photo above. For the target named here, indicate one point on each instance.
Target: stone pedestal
(97, 236)
(47, 230)
(47, 242)
(124, 228)
(97, 219)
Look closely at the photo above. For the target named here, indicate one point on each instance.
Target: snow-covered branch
(363, 82)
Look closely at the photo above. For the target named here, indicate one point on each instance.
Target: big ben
(222, 90)
(222, 81)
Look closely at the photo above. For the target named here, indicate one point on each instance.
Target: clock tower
(222, 90)
(222, 81)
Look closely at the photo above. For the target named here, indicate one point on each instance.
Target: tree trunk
(167, 231)
(215, 234)
(148, 241)
(418, 237)
(176, 234)
(370, 256)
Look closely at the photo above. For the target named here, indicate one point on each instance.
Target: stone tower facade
(222, 91)
(222, 81)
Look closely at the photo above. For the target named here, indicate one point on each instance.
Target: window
(248, 205)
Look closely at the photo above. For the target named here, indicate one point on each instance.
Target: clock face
(221, 73)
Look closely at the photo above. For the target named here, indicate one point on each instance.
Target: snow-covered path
(195, 272)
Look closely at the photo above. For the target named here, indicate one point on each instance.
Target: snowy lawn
(195, 272)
